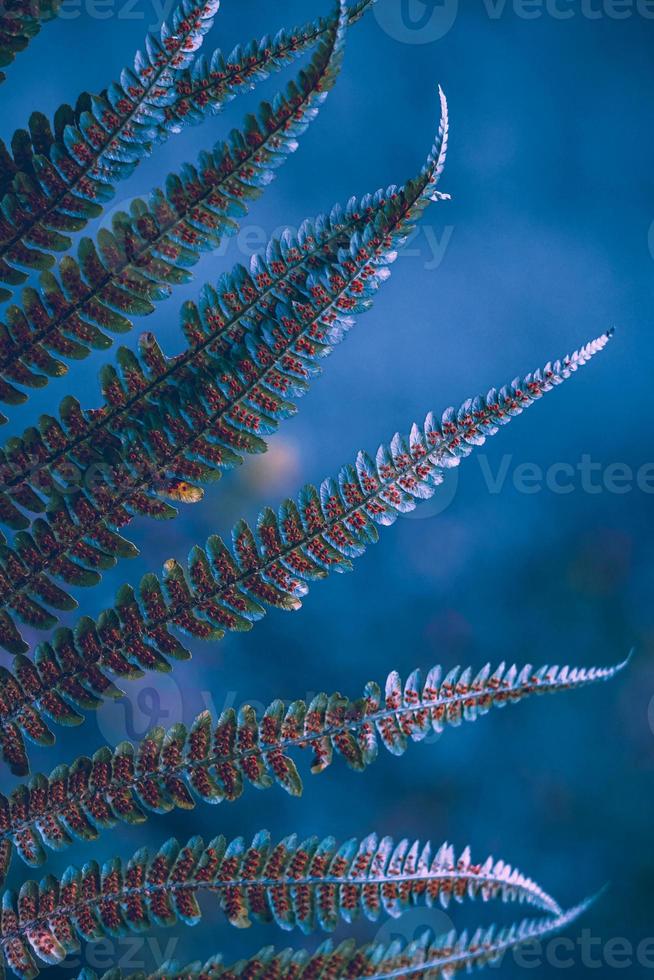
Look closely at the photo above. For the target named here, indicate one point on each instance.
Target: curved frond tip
(214, 761)
(310, 885)
(428, 955)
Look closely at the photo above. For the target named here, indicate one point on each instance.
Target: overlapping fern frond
(437, 957)
(166, 427)
(310, 885)
(60, 176)
(213, 762)
(189, 418)
(208, 84)
(57, 192)
(229, 588)
(122, 274)
(20, 21)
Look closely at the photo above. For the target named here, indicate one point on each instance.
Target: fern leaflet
(148, 253)
(208, 85)
(229, 589)
(20, 21)
(309, 885)
(213, 761)
(436, 957)
(220, 408)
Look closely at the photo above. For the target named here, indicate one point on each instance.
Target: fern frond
(436, 957)
(309, 885)
(209, 84)
(57, 192)
(20, 21)
(123, 274)
(221, 407)
(61, 181)
(213, 761)
(38, 465)
(229, 589)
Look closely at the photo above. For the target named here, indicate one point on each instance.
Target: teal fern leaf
(229, 589)
(213, 761)
(64, 188)
(20, 21)
(124, 273)
(201, 411)
(436, 957)
(310, 885)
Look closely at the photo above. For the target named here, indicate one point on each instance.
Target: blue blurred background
(544, 245)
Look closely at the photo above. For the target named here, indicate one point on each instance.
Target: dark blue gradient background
(550, 169)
